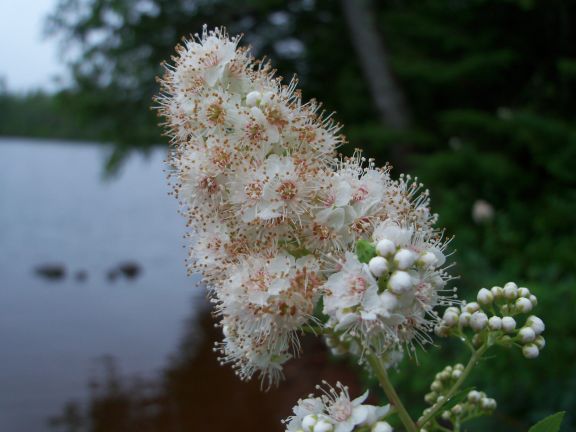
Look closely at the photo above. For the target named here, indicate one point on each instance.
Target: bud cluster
(334, 411)
(384, 294)
(493, 318)
(474, 405)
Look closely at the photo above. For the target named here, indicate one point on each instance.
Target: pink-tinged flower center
(321, 232)
(287, 190)
(307, 135)
(260, 280)
(275, 117)
(255, 132)
(209, 184)
(329, 201)
(341, 410)
(361, 225)
(221, 158)
(253, 190)
(360, 194)
(358, 284)
(210, 59)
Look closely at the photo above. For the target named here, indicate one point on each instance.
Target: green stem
(380, 371)
(471, 363)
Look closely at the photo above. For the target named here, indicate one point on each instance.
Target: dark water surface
(55, 209)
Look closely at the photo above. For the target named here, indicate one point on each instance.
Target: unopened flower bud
(378, 266)
(456, 374)
(428, 259)
(381, 426)
(450, 318)
(530, 351)
(309, 422)
(442, 331)
(497, 291)
(527, 334)
(476, 340)
(446, 415)
(523, 292)
(474, 396)
(478, 321)
(495, 323)
(523, 305)
(385, 247)
(323, 426)
(511, 290)
(540, 342)
(472, 307)
(533, 300)
(488, 403)
(485, 297)
(430, 397)
(464, 319)
(443, 376)
(388, 300)
(436, 386)
(253, 98)
(457, 409)
(404, 258)
(508, 324)
(536, 323)
(400, 282)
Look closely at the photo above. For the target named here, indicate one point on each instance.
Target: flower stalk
(381, 373)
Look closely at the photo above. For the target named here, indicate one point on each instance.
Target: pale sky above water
(27, 60)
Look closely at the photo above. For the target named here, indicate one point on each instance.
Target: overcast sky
(27, 61)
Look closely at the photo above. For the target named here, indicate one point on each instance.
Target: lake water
(56, 208)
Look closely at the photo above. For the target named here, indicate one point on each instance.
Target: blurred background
(101, 329)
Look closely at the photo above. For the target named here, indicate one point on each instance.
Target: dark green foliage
(549, 424)
(38, 114)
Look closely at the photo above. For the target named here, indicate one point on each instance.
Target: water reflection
(62, 230)
(195, 393)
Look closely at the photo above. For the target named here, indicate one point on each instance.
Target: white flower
(334, 411)
(204, 59)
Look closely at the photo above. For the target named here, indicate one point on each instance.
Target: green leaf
(549, 424)
(457, 398)
(365, 251)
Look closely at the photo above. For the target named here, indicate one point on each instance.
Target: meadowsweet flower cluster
(493, 319)
(275, 214)
(334, 411)
(290, 236)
